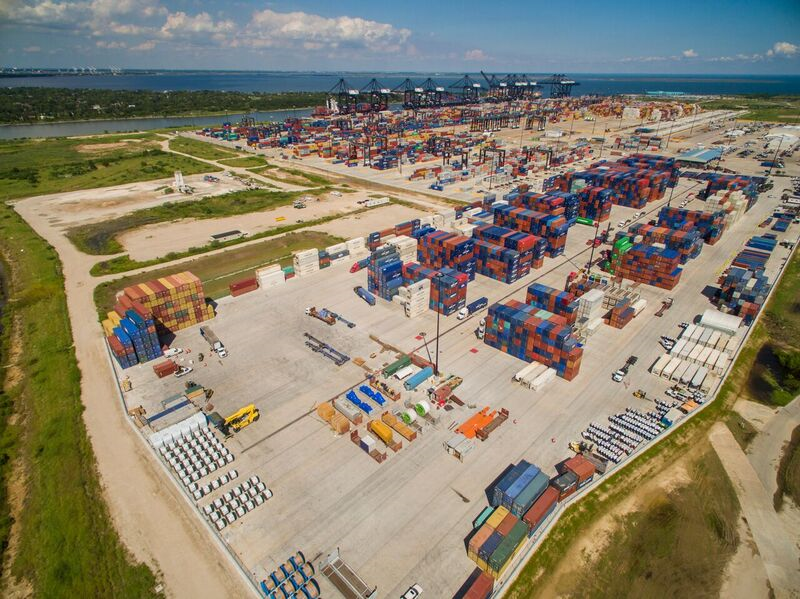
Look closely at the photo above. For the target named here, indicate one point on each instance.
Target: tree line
(36, 104)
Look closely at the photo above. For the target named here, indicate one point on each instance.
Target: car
(413, 592)
(173, 351)
(183, 371)
(617, 376)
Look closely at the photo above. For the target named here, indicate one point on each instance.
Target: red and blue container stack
(621, 313)
(385, 273)
(448, 286)
(555, 203)
(651, 265)
(134, 339)
(496, 262)
(595, 203)
(553, 300)
(725, 182)
(531, 248)
(553, 229)
(743, 291)
(532, 334)
(688, 244)
(711, 225)
(441, 249)
(654, 162)
(751, 258)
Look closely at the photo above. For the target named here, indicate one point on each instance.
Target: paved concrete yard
(405, 521)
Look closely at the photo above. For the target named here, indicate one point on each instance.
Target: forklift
(236, 421)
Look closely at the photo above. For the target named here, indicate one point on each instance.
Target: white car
(173, 351)
(413, 592)
(618, 376)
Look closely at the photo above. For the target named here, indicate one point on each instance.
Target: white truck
(213, 341)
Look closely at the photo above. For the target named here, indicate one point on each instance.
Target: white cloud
(268, 28)
(689, 53)
(110, 45)
(180, 24)
(783, 49)
(475, 55)
(32, 49)
(144, 46)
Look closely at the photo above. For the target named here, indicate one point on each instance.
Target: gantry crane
(467, 89)
(560, 85)
(342, 98)
(377, 94)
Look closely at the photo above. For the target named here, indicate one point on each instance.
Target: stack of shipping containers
(553, 300)
(532, 334)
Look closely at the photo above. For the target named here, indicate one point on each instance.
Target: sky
(623, 36)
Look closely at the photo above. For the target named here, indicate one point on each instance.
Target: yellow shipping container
(108, 327)
(114, 317)
(497, 517)
(381, 430)
(165, 282)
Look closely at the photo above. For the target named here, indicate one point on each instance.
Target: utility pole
(438, 278)
(775, 157)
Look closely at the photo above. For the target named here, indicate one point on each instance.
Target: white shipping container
(638, 306)
(531, 376)
(544, 378)
(699, 377)
(714, 339)
(722, 365)
(698, 331)
(712, 359)
(688, 331)
(704, 338)
(528, 368)
(670, 368)
(678, 347)
(676, 376)
(687, 376)
(703, 357)
(659, 364)
(687, 349)
(695, 353)
(404, 372)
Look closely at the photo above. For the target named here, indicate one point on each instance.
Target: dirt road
(778, 552)
(766, 450)
(154, 520)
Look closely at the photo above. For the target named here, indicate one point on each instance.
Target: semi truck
(213, 341)
(473, 307)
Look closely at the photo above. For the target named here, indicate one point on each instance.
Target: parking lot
(404, 521)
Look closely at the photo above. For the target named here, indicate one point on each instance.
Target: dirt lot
(157, 240)
(64, 210)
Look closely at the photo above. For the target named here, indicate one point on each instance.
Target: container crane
(342, 98)
(410, 95)
(432, 94)
(560, 85)
(377, 94)
(467, 89)
(498, 88)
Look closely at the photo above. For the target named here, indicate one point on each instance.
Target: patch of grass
(101, 238)
(742, 430)
(680, 541)
(778, 109)
(789, 472)
(294, 176)
(68, 546)
(200, 149)
(219, 270)
(581, 515)
(36, 167)
(244, 161)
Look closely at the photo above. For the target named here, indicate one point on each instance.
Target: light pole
(591, 254)
(694, 117)
(775, 157)
(669, 135)
(425, 341)
(438, 278)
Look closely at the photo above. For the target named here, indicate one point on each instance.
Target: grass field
(67, 544)
(537, 572)
(778, 109)
(220, 270)
(244, 161)
(36, 167)
(100, 238)
(773, 378)
(681, 540)
(789, 472)
(200, 149)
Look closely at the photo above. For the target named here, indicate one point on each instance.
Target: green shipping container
(529, 494)
(482, 518)
(395, 366)
(584, 221)
(508, 546)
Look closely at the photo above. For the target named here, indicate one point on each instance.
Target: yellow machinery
(236, 421)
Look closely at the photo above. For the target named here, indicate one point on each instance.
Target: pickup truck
(213, 341)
